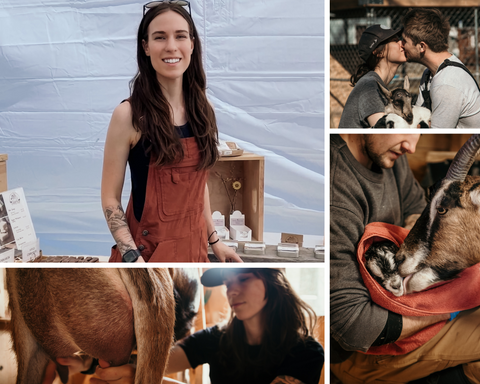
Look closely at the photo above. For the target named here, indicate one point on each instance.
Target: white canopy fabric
(65, 65)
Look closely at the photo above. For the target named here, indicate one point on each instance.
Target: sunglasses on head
(151, 4)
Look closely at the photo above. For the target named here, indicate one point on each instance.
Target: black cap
(214, 276)
(372, 37)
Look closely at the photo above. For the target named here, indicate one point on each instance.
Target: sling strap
(447, 63)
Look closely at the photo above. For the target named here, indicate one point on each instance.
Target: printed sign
(16, 227)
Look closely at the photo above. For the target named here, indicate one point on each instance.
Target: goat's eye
(441, 210)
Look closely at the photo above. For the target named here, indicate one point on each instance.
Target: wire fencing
(346, 27)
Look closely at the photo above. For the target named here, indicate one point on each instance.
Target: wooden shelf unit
(249, 169)
(3, 172)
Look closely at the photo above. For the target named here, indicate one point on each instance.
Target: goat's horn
(464, 159)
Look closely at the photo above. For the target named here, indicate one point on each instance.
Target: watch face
(130, 256)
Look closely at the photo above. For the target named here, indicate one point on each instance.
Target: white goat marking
(410, 264)
(391, 259)
(421, 280)
(475, 196)
(420, 114)
(375, 268)
(433, 205)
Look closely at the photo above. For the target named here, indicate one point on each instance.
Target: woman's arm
(220, 250)
(177, 361)
(286, 380)
(120, 138)
(125, 374)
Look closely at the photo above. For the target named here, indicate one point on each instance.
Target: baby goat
(399, 112)
(380, 262)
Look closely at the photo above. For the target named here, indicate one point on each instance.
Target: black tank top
(139, 161)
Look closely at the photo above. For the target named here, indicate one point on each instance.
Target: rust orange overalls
(172, 227)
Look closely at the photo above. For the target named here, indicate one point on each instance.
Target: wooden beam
(339, 5)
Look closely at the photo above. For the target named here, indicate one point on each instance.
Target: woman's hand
(124, 374)
(75, 364)
(140, 260)
(225, 253)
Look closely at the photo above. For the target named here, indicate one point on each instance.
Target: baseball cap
(215, 276)
(372, 37)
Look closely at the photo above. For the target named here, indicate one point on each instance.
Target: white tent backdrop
(65, 65)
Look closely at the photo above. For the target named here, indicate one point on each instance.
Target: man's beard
(416, 59)
(377, 158)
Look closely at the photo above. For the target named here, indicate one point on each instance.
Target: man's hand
(225, 253)
(414, 324)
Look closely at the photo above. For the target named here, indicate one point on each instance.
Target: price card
(16, 227)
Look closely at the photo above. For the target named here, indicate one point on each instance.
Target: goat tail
(151, 291)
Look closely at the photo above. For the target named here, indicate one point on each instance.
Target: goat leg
(31, 358)
(151, 292)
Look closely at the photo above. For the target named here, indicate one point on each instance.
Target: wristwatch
(131, 256)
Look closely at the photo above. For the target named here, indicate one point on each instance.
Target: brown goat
(399, 101)
(445, 239)
(101, 312)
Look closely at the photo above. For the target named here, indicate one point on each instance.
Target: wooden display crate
(248, 169)
(3, 172)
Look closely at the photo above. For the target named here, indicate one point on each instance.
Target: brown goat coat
(101, 312)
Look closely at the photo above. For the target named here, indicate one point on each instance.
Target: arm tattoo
(117, 222)
(285, 380)
(115, 218)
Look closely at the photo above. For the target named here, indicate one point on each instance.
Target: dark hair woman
(167, 132)
(381, 51)
(267, 340)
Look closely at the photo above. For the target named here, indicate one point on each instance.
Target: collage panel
(404, 258)
(185, 134)
(403, 207)
(404, 65)
(184, 325)
(234, 156)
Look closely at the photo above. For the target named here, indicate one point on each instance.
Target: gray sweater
(359, 196)
(364, 100)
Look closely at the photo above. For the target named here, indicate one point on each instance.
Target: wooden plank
(253, 203)
(3, 173)
(441, 156)
(338, 5)
(305, 256)
(243, 157)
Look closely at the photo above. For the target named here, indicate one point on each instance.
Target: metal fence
(346, 27)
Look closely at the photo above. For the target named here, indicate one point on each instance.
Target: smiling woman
(168, 134)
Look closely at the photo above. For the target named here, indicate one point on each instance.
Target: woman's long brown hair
(151, 113)
(287, 318)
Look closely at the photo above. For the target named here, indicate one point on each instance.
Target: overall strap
(446, 63)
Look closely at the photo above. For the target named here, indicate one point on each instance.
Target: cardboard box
(219, 223)
(238, 230)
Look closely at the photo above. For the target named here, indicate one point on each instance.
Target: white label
(30, 251)
(7, 256)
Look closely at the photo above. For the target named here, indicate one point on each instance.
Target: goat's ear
(406, 84)
(385, 91)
